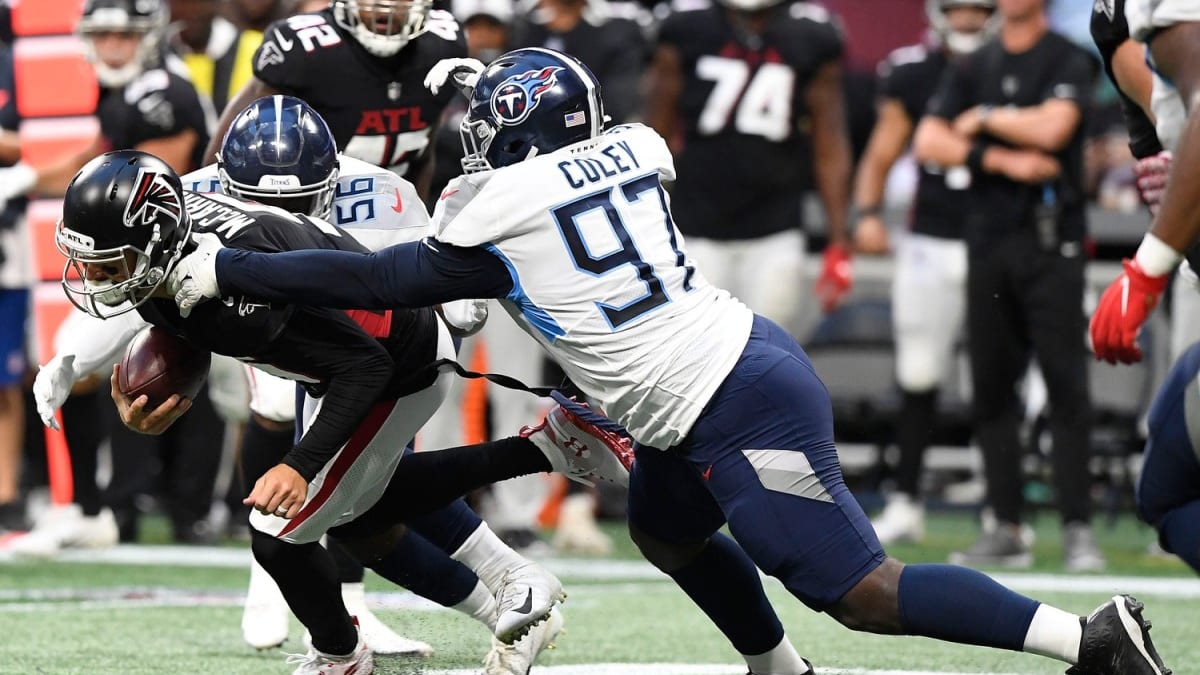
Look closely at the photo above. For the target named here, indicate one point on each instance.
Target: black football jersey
(1110, 30)
(377, 107)
(158, 104)
(742, 168)
(354, 359)
(910, 75)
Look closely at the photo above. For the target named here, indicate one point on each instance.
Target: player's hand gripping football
(194, 278)
(1152, 175)
(837, 276)
(462, 73)
(280, 492)
(1121, 312)
(52, 386)
(134, 414)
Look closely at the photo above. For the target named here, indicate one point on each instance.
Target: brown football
(159, 364)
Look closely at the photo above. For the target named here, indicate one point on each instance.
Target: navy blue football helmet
(529, 102)
(280, 152)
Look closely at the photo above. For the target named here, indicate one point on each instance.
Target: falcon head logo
(517, 96)
(153, 199)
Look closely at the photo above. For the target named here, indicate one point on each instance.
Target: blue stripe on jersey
(535, 315)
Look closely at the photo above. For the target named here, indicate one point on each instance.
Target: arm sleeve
(953, 95)
(279, 64)
(355, 369)
(1073, 80)
(418, 274)
(97, 344)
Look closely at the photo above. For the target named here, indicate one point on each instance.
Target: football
(159, 364)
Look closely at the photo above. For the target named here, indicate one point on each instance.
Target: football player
(1168, 490)
(146, 101)
(571, 226)
(371, 379)
(735, 86)
(360, 64)
(928, 291)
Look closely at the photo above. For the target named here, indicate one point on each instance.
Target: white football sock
(480, 605)
(782, 660)
(354, 596)
(488, 557)
(1054, 633)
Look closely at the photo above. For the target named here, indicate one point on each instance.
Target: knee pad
(666, 556)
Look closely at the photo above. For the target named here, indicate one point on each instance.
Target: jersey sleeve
(279, 60)
(1073, 80)
(822, 31)
(377, 207)
(203, 180)
(164, 105)
(1145, 17)
(896, 83)
(674, 30)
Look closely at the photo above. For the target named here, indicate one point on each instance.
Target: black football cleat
(1116, 641)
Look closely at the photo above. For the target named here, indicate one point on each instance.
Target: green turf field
(126, 617)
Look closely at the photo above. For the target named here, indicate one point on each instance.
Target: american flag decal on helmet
(152, 195)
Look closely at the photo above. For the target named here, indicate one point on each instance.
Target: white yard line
(684, 669)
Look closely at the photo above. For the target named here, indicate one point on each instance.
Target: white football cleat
(377, 634)
(517, 658)
(582, 444)
(902, 519)
(526, 597)
(359, 662)
(265, 614)
(67, 527)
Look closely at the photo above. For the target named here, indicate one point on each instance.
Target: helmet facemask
(477, 137)
(106, 20)
(383, 27)
(957, 41)
(141, 270)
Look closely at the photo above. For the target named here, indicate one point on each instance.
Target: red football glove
(1151, 175)
(836, 276)
(1121, 312)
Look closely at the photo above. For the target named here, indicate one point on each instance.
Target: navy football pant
(1168, 491)
(761, 458)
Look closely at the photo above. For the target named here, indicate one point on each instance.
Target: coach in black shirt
(1012, 113)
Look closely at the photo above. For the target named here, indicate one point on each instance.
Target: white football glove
(465, 315)
(15, 181)
(194, 278)
(52, 386)
(462, 73)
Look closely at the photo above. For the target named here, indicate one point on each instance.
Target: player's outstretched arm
(416, 274)
(1176, 53)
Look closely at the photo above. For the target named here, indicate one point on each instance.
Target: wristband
(1155, 257)
(975, 158)
(859, 212)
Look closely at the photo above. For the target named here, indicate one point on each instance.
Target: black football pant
(1022, 301)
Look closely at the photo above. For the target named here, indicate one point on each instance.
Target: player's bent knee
(270, 552)
(873, 604)
(667, 557)
(370, 548)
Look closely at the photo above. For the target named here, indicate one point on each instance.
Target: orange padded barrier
(53, 78)
(45, 17)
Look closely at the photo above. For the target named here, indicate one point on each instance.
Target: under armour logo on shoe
(577, 446)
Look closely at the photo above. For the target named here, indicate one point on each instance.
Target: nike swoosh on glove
(194, 278)
(1152, 173)
(837, 276)
(52, 386)
(462, 73)
(1121, 312)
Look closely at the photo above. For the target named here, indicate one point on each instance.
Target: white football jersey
(601, 278)
(374, 205)
(1144, 18)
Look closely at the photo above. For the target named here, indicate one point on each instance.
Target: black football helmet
(280, 152)
(146, 19)
(123, 212)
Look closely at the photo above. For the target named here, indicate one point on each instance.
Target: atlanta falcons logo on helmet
(152, 196)
(517, 96)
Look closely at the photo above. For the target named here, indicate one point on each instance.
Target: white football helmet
(382, 27)
(956, 41)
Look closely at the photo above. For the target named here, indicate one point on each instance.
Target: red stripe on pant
(350, 453)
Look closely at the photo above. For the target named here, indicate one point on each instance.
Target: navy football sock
(448, 527)
(1180, 532)
(424, 569)
(724, 582)
(958, 604)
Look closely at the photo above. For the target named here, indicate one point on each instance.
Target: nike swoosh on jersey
(448, 194)
(398, 207)
(285, 43)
